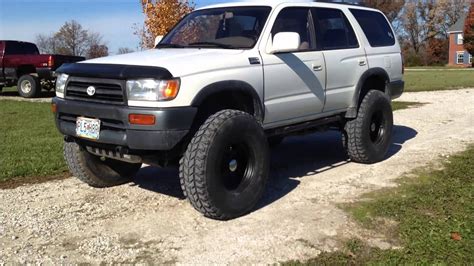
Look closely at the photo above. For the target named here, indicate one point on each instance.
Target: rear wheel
(29, 86)
(368, 137)
(98, 173)
(225, 168)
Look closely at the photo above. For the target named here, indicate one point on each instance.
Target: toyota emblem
(91, 90)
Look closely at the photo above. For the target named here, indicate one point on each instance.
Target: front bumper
(172, 124)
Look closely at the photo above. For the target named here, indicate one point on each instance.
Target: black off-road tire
(368, 137)
(29, 86)
(92, 170)
(225, 168)
(275, 141)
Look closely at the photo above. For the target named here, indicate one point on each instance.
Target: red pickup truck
(23, 65)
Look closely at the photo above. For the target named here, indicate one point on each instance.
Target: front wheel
(225, 167)
(96, 172)
(368, 137)
(29, 86)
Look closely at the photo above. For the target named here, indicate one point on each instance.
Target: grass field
(430, 215)
(30, 145)
(432, 80)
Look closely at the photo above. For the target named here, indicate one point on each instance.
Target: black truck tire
(275, 141)
(95, 172)
(225, 167)
(29, 86)
(368, 137)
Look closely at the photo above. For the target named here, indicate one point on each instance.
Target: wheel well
(229, 99)
(374, 82)
(25, 69)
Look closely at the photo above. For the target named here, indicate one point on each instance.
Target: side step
(116, 155)
(309, 125)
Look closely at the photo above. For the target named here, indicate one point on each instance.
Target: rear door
(345, 58)
(382, 47)
(294, 81)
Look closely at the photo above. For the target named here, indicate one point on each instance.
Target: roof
(459, 25)
(275, 3)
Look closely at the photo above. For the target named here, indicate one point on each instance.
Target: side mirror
(286, 42)
(158, 39)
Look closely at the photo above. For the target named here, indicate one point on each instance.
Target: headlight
(61, 85)
(152, 90)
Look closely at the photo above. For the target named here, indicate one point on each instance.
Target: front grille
(106, 91)
(110, 124)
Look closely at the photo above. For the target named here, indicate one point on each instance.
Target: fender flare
(231, 86)
(377, 71)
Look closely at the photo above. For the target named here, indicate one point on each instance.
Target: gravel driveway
(149, 221)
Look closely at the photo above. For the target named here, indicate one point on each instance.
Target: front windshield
(229, 28)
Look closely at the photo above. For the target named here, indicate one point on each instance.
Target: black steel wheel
(224, 170)
(368, 137)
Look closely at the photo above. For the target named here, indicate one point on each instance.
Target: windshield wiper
(213, 44)
(170, 45)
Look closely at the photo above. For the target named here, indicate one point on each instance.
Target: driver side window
(299, 20)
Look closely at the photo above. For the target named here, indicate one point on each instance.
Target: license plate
(88, 128)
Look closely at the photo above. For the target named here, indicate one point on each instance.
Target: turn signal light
(54, 108)
(170, 89)
(140, 119)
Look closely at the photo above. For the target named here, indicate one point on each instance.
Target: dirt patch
(30, 180)
(148, 221)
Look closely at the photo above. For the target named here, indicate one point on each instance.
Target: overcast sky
(114, 19)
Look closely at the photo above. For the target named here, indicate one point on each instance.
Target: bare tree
(73, 39)
(124, 50)
(97, 50)
(426, 20)
(46, 44)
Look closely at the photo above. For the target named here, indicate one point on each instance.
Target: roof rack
(342, 2)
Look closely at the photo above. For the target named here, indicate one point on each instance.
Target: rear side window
(333, 30)
(375, 27)
(18, 48)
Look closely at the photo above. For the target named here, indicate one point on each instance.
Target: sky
(114, 19)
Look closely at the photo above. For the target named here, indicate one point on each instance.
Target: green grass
(432, 80)
(9, 89)
(425, 212)
(30, 144)
(434, 67)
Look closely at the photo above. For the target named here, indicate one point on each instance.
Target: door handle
(317, 67)
(362, 62)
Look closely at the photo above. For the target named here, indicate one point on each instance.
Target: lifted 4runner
(226, 83)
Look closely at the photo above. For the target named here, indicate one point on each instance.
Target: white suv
(224, 85)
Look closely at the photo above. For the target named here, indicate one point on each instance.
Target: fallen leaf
(456, 236)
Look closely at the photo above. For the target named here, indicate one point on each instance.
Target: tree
(425, 25)
(390, 8)
(73, 39)
(97, 50)
(160, 17)
(469, 31)
(124, 50)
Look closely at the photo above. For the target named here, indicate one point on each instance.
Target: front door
(294, 82)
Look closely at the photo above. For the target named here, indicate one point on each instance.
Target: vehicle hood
(180, 62)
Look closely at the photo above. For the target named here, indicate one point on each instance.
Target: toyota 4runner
(225, 84)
